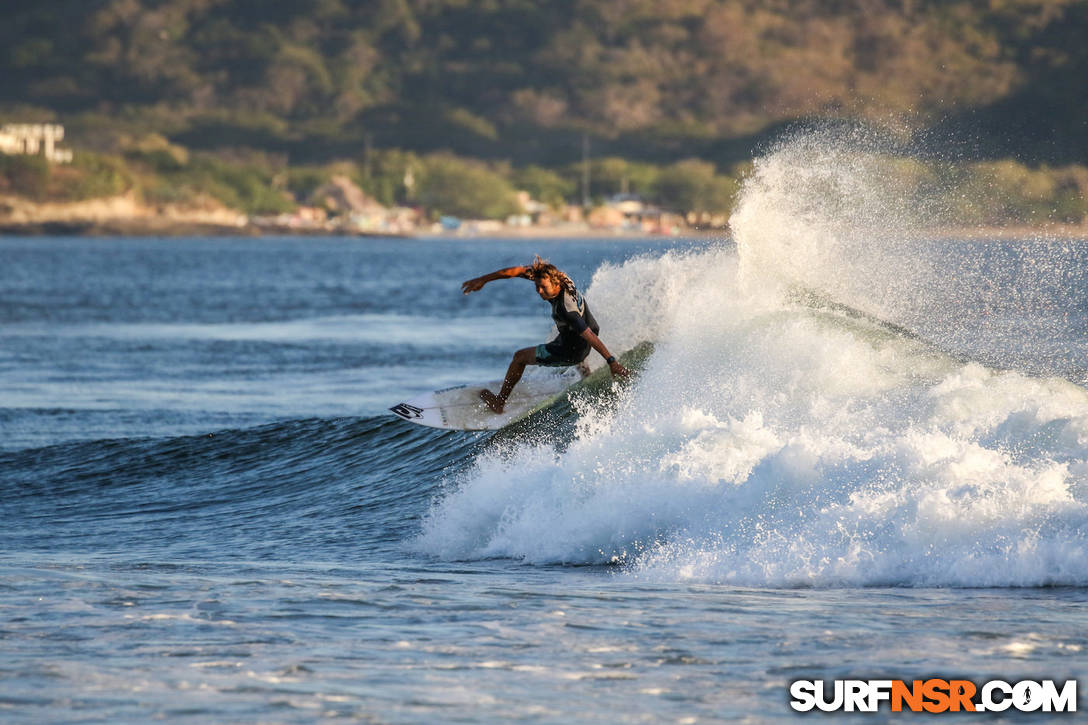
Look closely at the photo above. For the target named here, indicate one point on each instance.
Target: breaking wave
(770, 441)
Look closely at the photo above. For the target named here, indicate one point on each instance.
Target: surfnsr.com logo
(933, 695)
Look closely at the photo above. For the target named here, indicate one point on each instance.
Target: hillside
(519, 80)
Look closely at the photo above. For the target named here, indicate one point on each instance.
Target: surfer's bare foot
(493, 401)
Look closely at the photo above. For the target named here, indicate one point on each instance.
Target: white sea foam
(771, 444)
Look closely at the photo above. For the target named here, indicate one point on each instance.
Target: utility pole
(366, 155)
(585, 169)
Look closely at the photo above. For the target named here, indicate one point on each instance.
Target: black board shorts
(558, 354)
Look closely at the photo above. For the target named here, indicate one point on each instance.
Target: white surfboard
(460, 407)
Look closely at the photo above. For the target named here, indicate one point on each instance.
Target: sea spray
(836, 213)
(843, 215)
(768, 443)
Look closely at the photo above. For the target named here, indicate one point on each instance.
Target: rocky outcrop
(342, 195)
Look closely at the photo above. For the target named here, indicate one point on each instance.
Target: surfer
(577, 328)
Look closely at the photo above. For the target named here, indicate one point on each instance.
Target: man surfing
(577, 328)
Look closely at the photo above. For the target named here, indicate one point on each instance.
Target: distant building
(606, 217)
(34, 138)
(529, 205)
(628, 204)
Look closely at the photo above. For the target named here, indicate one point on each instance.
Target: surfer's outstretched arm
(477, 283)
(614, 365)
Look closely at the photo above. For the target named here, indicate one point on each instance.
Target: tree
(694, 186)
(24, 175)
(462, 188)
(545, 185)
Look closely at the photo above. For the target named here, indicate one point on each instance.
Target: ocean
(854, 453)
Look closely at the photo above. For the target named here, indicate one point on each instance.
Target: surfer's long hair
(541, 268)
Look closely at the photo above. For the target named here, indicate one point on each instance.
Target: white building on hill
(34, 138)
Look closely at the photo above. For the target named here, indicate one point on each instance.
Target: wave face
(315, 489)
(770, 443)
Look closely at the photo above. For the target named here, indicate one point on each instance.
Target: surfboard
(459, 407)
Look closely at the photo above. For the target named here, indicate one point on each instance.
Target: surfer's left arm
(614, 365)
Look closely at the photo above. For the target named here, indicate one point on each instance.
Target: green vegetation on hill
(454, 105)
(522, 80)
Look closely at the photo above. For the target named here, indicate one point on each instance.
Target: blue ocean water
(209, 516)
(853, 453)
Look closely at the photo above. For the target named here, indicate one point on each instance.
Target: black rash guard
(572, 318)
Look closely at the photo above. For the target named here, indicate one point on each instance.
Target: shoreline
(202, 225)
(170, 228)
(175, 229)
